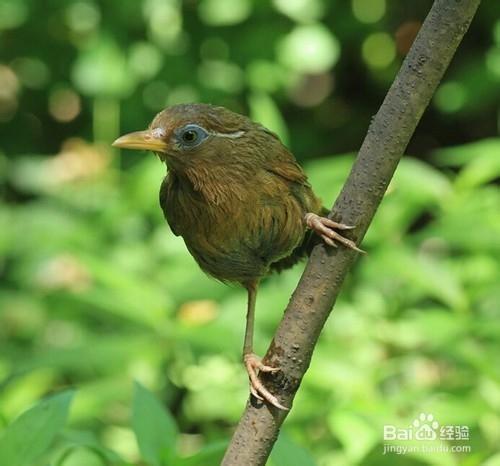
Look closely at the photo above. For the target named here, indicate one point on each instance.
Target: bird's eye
(191, 135)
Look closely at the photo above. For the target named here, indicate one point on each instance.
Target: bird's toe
(253, 365)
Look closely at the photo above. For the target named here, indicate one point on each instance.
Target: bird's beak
(142, 140)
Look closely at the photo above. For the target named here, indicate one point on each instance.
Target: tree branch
(383, 147)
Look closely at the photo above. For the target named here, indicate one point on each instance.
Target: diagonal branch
(383, 147)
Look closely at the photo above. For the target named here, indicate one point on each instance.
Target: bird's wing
(283, 164)
(290, 170)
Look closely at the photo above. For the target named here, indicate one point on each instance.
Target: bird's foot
(324, 227)
(254, 365)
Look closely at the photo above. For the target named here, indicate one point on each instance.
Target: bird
(240, 201)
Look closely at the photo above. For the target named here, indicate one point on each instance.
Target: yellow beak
(142, 140)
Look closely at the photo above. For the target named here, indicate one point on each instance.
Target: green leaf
(310, 48)
(210, 455)
(355, 433)
(457, 156)
(86, 440)
(493, 460)
(102, 70)
(481, 170)
(154, 428)
(32, 433)
(265, 111)
(224, 12)
(287, 452)
(82, 456)
(328, 175)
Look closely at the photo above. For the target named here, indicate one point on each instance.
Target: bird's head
(184, 134)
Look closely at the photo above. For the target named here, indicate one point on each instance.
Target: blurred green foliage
(96, 292)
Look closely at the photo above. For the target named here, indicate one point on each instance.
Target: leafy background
(97, 293)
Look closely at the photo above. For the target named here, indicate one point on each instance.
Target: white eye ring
(197, 133)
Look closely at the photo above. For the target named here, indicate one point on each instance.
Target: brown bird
(238, 198)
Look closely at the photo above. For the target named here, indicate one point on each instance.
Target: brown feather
(238, 203)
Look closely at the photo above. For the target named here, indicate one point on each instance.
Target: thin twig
(383, 147)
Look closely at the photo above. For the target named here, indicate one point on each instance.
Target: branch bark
(383, 147)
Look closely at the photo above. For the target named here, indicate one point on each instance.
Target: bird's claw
(325, 227)
(254, 365)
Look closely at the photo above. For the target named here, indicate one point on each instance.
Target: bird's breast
(238, 234)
